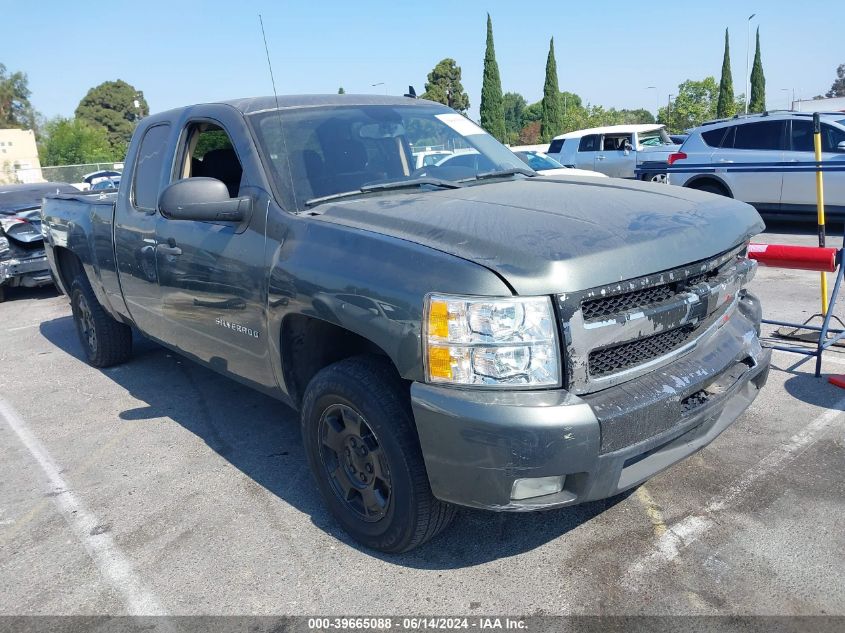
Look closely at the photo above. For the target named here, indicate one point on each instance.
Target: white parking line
(114, 567)
(677, 536)
(23, 327)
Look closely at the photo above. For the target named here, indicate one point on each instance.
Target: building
(834, 104)
(19, 157)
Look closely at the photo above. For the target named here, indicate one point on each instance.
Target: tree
(116, 106)
(74, 141)
(838, 87)
(444, 86)
(694, 104)
(491, 109)
(552, 120)
(513, 105)
(15, 109)
(341, 91)
(726, 105)
(757, 102)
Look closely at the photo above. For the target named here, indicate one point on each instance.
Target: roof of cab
(252, 105)
(610, 129)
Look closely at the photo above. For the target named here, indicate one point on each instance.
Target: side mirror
(203, 200)
(841, 147)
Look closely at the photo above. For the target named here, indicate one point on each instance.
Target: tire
(2, 294)
(658, 178)
(712, 187)
(106, 342)
(363, 450)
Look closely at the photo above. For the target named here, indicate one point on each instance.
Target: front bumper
(477, 443)
(29, 272)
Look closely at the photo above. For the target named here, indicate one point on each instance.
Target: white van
(617, 150)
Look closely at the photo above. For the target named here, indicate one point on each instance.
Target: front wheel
(364, 453)
(105, 341)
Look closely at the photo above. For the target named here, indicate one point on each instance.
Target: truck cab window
(210, 154)
(147, 179)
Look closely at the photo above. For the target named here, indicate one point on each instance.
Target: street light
(381, 83)
(657, 98)
(748, 61)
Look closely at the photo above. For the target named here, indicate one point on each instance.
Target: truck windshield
(314, 154)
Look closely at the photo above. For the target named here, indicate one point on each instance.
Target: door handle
(171, 251)
(600, 157)
(725, 160)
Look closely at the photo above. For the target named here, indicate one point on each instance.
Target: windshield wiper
(500, 173)
(385, 186)
(413, 182)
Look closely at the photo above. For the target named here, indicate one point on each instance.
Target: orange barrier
(794, 257)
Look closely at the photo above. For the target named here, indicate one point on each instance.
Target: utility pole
(669, 112)
(748, 61)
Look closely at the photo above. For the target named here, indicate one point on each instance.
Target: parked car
(429, 157)
(22, 258)
(103, 174)
(106, 184)
(457, 336)
(777, 137)
(617, 150)
(548, 166)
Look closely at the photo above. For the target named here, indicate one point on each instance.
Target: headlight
(491, 342)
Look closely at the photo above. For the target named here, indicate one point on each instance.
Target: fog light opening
(536, 487)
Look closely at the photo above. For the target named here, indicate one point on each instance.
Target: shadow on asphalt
(260, 437)
(21, 293)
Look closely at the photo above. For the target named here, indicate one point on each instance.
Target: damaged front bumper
(477, 444)
(29, 272)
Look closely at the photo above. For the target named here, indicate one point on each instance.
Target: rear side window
(555, 146)
(802, 136)
(831, 138)
(148, 165)
(764, 135)
(713, 138)
(590, 143)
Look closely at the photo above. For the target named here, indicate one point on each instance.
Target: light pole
(748, 61)
(669, 112)
(657, 98)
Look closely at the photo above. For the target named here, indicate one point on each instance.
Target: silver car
(777, 137)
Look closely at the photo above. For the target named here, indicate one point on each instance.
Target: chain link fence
(75, 173)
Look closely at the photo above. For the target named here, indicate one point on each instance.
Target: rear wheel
(105, 340)
(364, 453)
(659, 178)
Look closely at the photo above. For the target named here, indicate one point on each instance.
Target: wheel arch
(696, 181)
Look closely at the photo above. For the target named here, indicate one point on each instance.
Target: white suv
(776, 137)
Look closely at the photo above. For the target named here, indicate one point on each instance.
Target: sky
(609, 52)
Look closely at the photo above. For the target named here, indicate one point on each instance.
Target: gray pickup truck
(450, 336)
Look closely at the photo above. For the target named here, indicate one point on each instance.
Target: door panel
(135, 231)
(799, 188)
(212, 275)
(758, 142)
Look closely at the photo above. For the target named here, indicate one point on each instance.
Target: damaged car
(22, 258)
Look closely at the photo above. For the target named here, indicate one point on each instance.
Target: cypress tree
(726, 105)
(551, 122)
(757, 102)
(492, 110)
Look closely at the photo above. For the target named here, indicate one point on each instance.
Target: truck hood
(552, 235)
